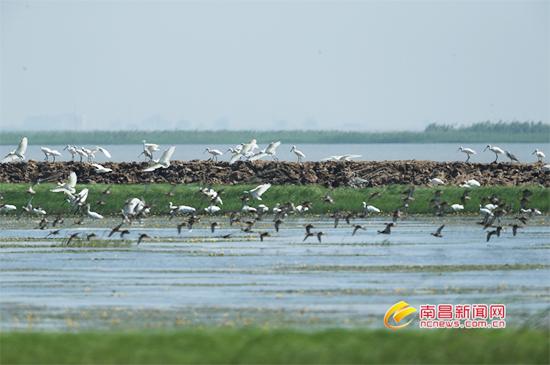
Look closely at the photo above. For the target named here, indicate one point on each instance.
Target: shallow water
(199, 278)
(316, 152)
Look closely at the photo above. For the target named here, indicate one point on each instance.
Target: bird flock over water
(492, 209)
(249, 151)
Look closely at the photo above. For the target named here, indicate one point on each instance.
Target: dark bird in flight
(515, 228)
(387, 230)
(278, 223)
(71, 237)
(53, 233)
(263, 235)
(493, 232)
(142, 237)
(115, 229)
(438, 232)
(213, 226)
(356, 228)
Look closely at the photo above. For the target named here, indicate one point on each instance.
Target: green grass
(348, 199)
(247, 346)
(484, 132)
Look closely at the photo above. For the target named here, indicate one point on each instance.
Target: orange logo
(397, 313)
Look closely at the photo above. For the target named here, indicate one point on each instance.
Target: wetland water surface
(199, 278)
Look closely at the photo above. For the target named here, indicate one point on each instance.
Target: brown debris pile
(329, 173)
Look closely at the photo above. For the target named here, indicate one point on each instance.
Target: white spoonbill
(214, 153)
(511, 156)
(539, 154)
(263, 208)
(180, 209)
(468, 151)
(5, 208)
(50, 152)
(348, 157)
(258, 191)
(248, 209)
(249, 147)
(495, 149)
(163, 162)
(72, 150)
(299, 154)
(270, 150)
(100, 169)
(134, 206)
(437, 181)
(472, 183)
(213, 195)
(78, 200)
(82, 153)
(91, 214)
(370, 208)
(149, 149)
(212, 209)
(67, 187)
(457, 207)
(102, 150)
(17, 154)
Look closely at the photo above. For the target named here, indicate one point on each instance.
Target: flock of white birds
(250, 151)
(244, 151)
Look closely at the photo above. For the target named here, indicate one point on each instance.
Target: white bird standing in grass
(370, 208)
(91, 214)
(100, 169)
(5, 208)
(472, 183)
(539, 154)
(50, 152)
(248, 209)
(212, 209)
(299, 154)
(258, 191)
(163, 162)
(468, 151)
(17, 154)
(181, 209)
(437, 181)
(496, 150)
(214, 153)
(457, 207)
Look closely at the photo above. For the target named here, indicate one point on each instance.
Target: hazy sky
(365, 65)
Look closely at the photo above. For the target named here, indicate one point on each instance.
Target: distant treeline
(483, 132)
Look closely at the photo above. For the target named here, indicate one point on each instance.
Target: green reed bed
(281, 346)
(345, 199)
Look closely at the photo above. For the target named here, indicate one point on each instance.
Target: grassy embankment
(347, 199)
(245, 346)
(484, 132)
